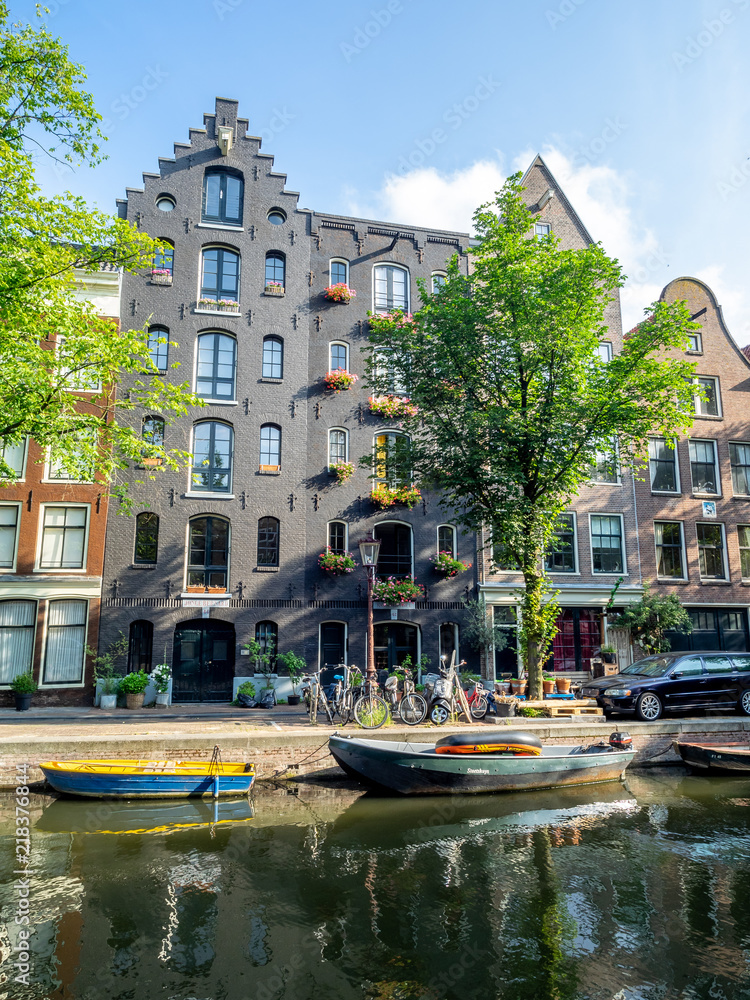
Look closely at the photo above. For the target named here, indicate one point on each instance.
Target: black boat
(715, 758)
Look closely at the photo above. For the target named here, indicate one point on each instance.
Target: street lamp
(369, 548)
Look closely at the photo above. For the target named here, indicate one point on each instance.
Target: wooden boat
(715, 758)
(417, 769)
(148, 779)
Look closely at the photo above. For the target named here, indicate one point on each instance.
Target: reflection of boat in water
(148, 779)
(413, 820)
(715, 758)
(417, 769)
(69, 816)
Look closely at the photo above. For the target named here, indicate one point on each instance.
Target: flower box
(445, 563)
(397, 592)
(161, 278)
(341, 293)
(272, 289)
(339, 379)
(385, 496)
(270, 468)
(336, 563)
(393, 407)
(222, 305)
(342, 471)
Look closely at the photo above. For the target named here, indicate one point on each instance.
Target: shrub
(248, 688)
(652, 616)
(23, 683)
(135, 682)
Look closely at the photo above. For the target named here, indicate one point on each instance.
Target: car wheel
(744, 703)
(649, 707)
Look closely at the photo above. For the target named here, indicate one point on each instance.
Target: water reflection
(609, 892)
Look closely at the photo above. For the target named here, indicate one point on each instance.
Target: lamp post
(369, 548)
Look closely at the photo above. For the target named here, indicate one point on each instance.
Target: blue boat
(148, 779)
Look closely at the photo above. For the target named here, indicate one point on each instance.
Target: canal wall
(296, 750)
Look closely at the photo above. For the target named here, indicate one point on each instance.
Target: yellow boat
(148, 779)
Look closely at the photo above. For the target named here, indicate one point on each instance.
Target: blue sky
(640, 107)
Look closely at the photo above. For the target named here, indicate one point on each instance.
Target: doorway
(393, 642)
(203, 663)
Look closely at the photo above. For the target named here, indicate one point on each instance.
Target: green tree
(650, 617)
(514, 401)
(53, 345)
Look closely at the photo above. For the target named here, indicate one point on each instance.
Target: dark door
(719, 629)
(393, 641)
(688, 690)
(203, 666)
(394, 557)
(332, 649)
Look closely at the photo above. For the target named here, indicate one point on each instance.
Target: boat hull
(146, 779)
(705, 758)
(415, 769)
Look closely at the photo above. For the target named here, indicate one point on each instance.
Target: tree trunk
(534, 626)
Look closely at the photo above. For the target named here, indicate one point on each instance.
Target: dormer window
(222, 198)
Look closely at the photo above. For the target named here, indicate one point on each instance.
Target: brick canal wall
(295, 751)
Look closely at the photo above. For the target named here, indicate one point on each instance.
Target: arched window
(339, 356)
(164, 259)
(447, 539)
(270, 446)
(340, 272)
(152, 432)
(448, 640)
(17, 625)
(212, 457)
(140, 645)
(216, 364)
(387, 378)
(438, 280)
(267, 637)
(222, 198)
(395, 555)
(268, 541)
(146, 538)
(276, 269)
(391, 288)
(158, 346)
(337, 445)
(208, 554)
(337, 537)
(220, 274)
(392, 465)
(273, 357)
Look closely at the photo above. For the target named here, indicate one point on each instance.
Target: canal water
(636, 891)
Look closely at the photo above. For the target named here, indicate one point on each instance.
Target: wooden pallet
(585, 706)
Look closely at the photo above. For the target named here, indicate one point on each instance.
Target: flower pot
(505, 709)
(549, 686)
(293, 699)
(274, 290)
(563, 685)
(519, 686)
(162, 697)
(108, 701)
(134, 700)
(609, 657)
(23, 701)
(503, 687)
(161, 279)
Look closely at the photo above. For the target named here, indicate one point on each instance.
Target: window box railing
(220, 305)
(160, 276)
(274, 288)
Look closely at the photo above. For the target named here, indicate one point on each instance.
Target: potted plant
(340, 292)
(342, 471)
(23, 687)
(505, 705)
(227, 305)
(274, 288)
(104, 670)
(518, 685)
(339, 379)
(264, 664)
(296, 667)
(336, 563)
(445, 563)
(548, 683)
(161, 675)
(134, 685)
(397, 591)
(563, 684)
(609, 654)
(161, 276)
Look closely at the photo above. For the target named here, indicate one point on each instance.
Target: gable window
(164, 259)
(711, 405)
(670, 559)
(447, 539)
(337, 446)
(276, 269)
(604, 350)
(339, 357)
(739, 457)
(703, 467)
(146, 538)
(270, 445)
(663, 466)
(392, 465)
(14, 456)
(711, 551)
(17, 624)
(63, 537)
(10, 517)
(273, 357)
(208, 554)
(743, 535)
(220, 275)
(337, 537)
(158, 346)
(560, 556)
(140, 644)
(542, 229)
(222, 198)
(267, 637)
(216, 366)
(66, 642)
(695, 343)
(268, 541)
(212, 457)
(339, 272)
(606, 465)
(606, 544)
(391, 288)
(152, 432)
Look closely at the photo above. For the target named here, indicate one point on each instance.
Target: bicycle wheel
(479, 707)
(323, 703)
(371, 711)
(346, 708)
(413, 709)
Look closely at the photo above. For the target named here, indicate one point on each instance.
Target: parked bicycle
(370, 710)
(478, 701)
(315, 698)
(412, 708)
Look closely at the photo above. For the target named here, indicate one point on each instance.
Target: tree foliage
(59, 359)
(513, 398)
(649, 618)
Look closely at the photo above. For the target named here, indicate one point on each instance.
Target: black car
(675, 682)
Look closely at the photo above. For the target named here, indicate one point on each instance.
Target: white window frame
(337, 520)
(74, 388)
(337, 343)
(623, 546)
(35, 602)
(605, 346)
(65, 685)
(696, 401)
(576, 554)
(399, 267)
(437, 274)
(232, 336)
(545, 226)
(741, 549)
(446, 524)
(413, 543)
(713, 579)
(22, 476)
(678, 481)
(186, 553)
(338, 260)
(683, 552)
(18, 505)
(699, 341)
(717, 469)
(49, 478)
(346, 442)
(40, 539)
(618, 470)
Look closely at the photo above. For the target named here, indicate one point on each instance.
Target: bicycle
(315, 698)
(412, 709)
(343, 697)
(370, 710)
(478, 702)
